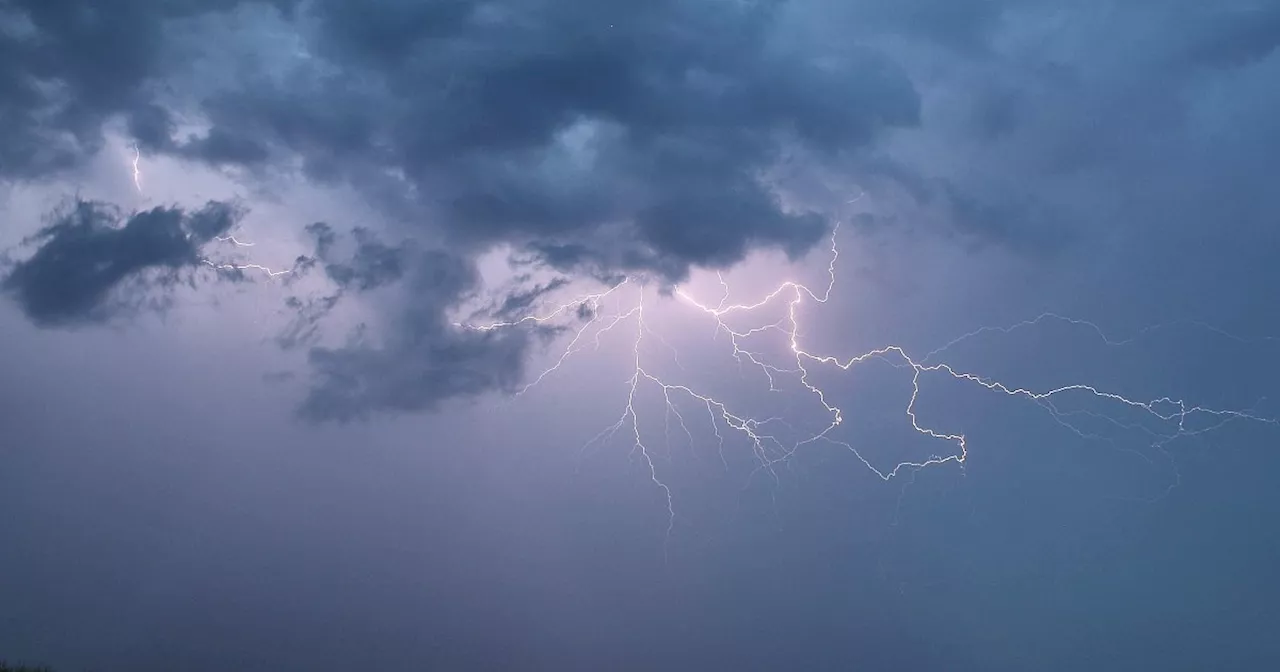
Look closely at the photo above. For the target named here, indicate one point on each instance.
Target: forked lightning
(1173, 416)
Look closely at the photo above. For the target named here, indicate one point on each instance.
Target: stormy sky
(248, 421)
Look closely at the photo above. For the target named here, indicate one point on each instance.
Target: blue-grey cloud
(92, 252)
(69, 66)
(372, 265)
(637, 133)
(544, 123)
(425, 359)
(608, 137)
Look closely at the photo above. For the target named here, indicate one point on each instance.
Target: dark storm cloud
(964, 25)
(482, 110)
(1217, 35)
(604, 138)
(425, 363)
(425, 359)
(1021, 222)
(68, 66)
(539, 123)
(91, 251)
(611, 136)
(1043, 123)
(370, 266)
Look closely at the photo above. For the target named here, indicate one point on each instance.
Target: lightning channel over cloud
(1166, 418)
(245, 267)
(227, 266)
(217, 266)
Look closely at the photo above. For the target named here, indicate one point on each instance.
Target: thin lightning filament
(801, 363)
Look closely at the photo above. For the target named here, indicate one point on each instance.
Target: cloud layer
(609, 137)
(550, 122)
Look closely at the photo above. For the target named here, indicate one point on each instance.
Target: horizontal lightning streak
(244, 267)
(241, 267)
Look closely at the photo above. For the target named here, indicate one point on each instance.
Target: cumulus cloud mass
(600, 138)
(91, 253)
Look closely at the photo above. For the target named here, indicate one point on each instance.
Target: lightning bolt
(137, 183)
(1175, 417)
(245, 267)
(137, 171)
(241, 267)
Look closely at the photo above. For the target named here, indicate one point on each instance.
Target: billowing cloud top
(601, 136)
(512, 121)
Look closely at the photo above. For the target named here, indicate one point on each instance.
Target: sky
(423, 334)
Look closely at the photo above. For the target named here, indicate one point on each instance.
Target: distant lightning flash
(241, 267)
(1176, 416)
(244, 267)
(137, 183)
(137, 171)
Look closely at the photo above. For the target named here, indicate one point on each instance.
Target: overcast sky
(248, 421)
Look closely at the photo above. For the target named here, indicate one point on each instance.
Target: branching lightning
(241, 267)
(1172, 418)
